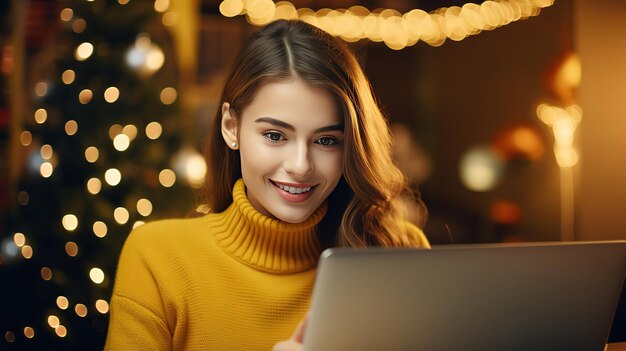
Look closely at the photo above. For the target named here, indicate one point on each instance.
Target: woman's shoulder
(167, 233)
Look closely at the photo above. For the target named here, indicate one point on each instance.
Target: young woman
(299, 160)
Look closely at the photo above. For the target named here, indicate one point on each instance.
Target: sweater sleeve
(137, 320)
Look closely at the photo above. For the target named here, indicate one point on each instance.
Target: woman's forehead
(295, 102)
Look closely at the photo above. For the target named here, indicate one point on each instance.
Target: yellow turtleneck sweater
(235, 280)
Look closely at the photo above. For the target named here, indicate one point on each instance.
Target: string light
(61, 331)
(80, 309)
(71, 127)
(138, 224)
(168, 95)
(121, 215)
(68, 76)
(112, 176)
(94, 185)
(83, 51)
(70, 222)
(114, 130)
(53, 321)
(144, 207)
(100, 229)
(26, 138)
(41, 115)
(71, 249)
(41, 89)
(27, 251)
(96, 275)
(46, 273)
(111, 94)
(85, 96)
(396, 30)
(131, 131)
(63, 302)
(153, 130)
(23, 198)
(169, 19)
(121, 142)
(19, 239)
(46, 169)
(46, 152)
(9, 336)
(79, 25)
(167, 177)
(102, 306)
(29, 332)
(66, 14)
(161, 5)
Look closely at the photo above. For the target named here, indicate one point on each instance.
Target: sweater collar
(265, 243)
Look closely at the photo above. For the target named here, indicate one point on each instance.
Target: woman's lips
(293, 197)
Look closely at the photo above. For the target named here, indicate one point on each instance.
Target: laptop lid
(545, 296)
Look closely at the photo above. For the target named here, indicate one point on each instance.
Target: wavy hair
(366, 207)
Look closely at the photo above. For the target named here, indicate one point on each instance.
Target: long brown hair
(365, 209)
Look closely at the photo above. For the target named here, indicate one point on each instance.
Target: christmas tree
(102, 154)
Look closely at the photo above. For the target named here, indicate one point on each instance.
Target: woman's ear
(230, 127)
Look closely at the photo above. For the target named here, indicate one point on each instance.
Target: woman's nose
(299, 162)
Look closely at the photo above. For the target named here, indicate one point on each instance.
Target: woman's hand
(295, 342)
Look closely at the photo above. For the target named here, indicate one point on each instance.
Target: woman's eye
(327, 141)
(273, 136)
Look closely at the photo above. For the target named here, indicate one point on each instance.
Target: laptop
(475, 297)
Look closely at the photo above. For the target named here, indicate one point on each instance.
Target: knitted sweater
(235, 280)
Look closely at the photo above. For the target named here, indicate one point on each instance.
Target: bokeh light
(100, 229)
(85, 96)
(144, 207)
(96, 275)
(167, 177)
(92, 154)
(111, 94)
(113, 176)
(121, 215)
(68, 76)
(71, 127)
(121, 142)
(94, 185)
(168, 95)
(71, 249)
(481, 169)
(46, 273)
(63, 302)
(83, 51)
(70, 222)
(102, 306)
(41, 115)
(26, 138)
(29, 332)
(80, 309)
(153, 130)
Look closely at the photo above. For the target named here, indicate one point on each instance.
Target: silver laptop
(530, 297)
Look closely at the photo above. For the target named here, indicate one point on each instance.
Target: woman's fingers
(288, 345)
(298, 335)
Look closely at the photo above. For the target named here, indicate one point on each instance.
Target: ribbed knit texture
(235, 280)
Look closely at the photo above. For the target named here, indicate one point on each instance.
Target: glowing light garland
(395, 29)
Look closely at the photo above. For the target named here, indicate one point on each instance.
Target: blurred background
(508, 119)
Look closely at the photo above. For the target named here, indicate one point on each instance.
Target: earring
(233, 144)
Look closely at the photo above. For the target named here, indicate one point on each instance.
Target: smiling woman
(299, 160)
(290, 145)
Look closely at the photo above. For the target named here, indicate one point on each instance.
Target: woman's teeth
(293, 190)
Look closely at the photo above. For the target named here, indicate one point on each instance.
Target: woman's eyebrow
(279, 123)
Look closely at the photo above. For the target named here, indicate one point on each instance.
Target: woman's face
(290, 139)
